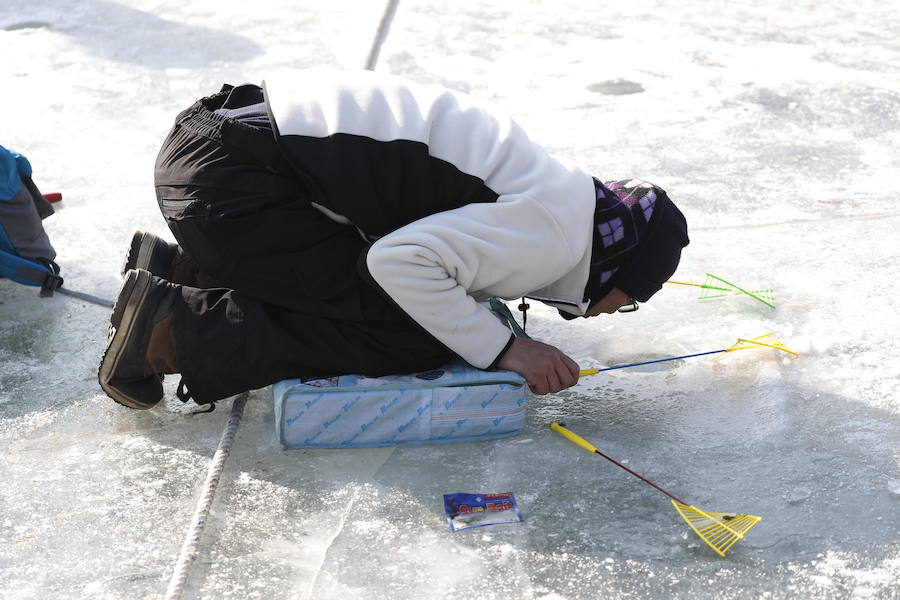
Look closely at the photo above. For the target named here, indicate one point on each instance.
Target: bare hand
(546, 368)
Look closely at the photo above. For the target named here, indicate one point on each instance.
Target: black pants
(293, 304)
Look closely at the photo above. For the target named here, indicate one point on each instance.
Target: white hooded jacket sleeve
(438, 267)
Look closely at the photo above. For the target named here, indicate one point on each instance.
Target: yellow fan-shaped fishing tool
(764, 341)
(720, 531)
(716, 287)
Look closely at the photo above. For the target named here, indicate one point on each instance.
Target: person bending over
(335, 222)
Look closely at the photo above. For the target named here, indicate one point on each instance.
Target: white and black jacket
(460, 205)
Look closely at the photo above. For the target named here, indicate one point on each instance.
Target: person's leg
(223, 342)
(227, 342)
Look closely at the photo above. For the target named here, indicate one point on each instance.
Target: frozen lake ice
(775, 127)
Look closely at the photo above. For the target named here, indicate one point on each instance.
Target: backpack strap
(41, 204)
(43, 274)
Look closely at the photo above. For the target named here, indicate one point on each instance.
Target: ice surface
(775, 127)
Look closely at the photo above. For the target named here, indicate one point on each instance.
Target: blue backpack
(26, 254)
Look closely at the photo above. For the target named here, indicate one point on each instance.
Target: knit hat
(638, 237)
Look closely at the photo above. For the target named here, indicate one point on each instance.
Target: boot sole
(140, 253)
(124, 314)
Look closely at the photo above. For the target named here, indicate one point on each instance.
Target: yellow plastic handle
(574, 438)
(584, 372)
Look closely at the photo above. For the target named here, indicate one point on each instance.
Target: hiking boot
(167, 261)
(140, 348)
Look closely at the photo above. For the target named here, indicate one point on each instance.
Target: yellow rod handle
(572, 437)
(584, 372)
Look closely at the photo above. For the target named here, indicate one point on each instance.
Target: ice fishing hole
(27, 25)
(616, 87)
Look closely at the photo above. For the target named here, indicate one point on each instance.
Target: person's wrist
(509, 343)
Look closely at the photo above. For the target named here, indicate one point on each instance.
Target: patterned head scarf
(638, 237)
